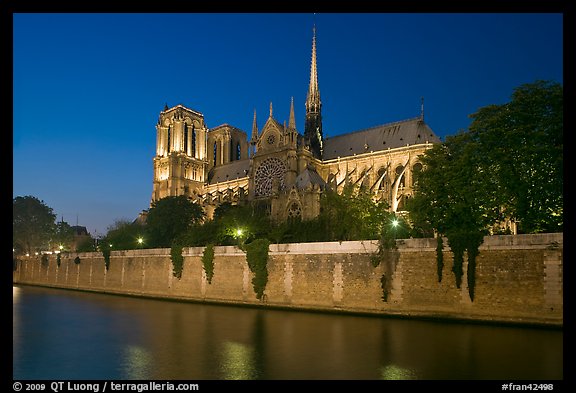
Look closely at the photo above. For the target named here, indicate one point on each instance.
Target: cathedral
(281, 168)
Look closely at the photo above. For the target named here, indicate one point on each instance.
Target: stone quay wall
(519, 278)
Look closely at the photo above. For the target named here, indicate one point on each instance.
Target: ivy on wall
(208, 262)
(58, 259)
(257, 258)
(459, 243)
(439, 257)
(388, 253)
(77, 260)
(106, 254)
(177, 259)
(44, 260)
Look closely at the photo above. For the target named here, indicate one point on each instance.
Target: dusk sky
(88, 88)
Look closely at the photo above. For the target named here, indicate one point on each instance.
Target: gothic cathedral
(278, 166)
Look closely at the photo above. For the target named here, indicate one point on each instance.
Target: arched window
(185, 138)
(169, 132)
(193, 141)
(215, 152)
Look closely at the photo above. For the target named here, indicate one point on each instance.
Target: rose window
(271, 169)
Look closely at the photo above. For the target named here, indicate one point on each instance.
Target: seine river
(62, 334)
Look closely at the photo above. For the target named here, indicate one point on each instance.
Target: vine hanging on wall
(58, 261)
(77, 260)
(439, 257)
(459, 243)
(177, 259)
(106, 254)
(387, 253)
(208, 262)
(257, 258)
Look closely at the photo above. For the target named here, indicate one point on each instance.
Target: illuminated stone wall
(518, 279)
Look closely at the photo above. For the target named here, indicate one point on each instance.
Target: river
(65, 334)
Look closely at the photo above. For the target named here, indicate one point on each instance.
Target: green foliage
(77, 260)
(521, 148)
(384, 285)
(106, 250)
(177, 259)
(257, 258)
(122, 235)
(351, 215)
(86, 245)
(208, 262)
(169, 218)
(439, 257)
(44, 260)
(63, 235)
(32, 224)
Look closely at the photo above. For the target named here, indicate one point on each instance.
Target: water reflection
(237, 361)
(70, 335)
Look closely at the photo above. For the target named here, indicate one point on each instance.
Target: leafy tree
(352, 215)
(521, 143)
(171, 217)
(32, 224)
(122, 235)
(476, 179)
(63, 235)
(86, 245)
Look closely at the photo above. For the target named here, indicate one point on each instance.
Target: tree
(63, 235)
(170, 217)
(522, 145)
(352, 215)
(32, 224)
(509, 165)
(122, 235)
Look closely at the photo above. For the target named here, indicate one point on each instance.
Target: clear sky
(88, 88)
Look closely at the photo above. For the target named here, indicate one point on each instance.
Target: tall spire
(313, 129)
(292, 119)
(313, 98)
(254, 129)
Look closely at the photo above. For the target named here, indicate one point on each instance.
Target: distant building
(81, 235)
(278, 166)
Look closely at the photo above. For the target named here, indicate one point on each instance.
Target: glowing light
(61, 247)
(110, 245)
(239, 232)
(140, 240)
(392, 372)
(237, 361)
(394, 222)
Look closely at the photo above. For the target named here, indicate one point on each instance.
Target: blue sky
(88, 87)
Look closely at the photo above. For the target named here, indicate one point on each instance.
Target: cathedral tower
(313, 127)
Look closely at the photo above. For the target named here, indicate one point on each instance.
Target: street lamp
(140, 241)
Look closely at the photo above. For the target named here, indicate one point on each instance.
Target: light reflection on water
(61, 334)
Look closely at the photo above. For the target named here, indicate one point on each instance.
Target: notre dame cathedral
(280, 167)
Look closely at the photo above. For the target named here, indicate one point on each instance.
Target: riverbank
(518, 279)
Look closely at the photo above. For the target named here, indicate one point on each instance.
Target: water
(62, 334)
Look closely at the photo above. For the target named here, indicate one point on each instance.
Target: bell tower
(180, 161)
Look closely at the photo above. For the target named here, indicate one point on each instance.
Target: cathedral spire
(313, 128)
(254, 129)
(292, 119)
(313, 98)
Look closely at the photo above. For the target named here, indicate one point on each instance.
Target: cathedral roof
(309, 177)
(391, 135)
(230, 171)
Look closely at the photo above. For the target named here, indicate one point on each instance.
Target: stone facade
(278, 166)
(519, 278)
